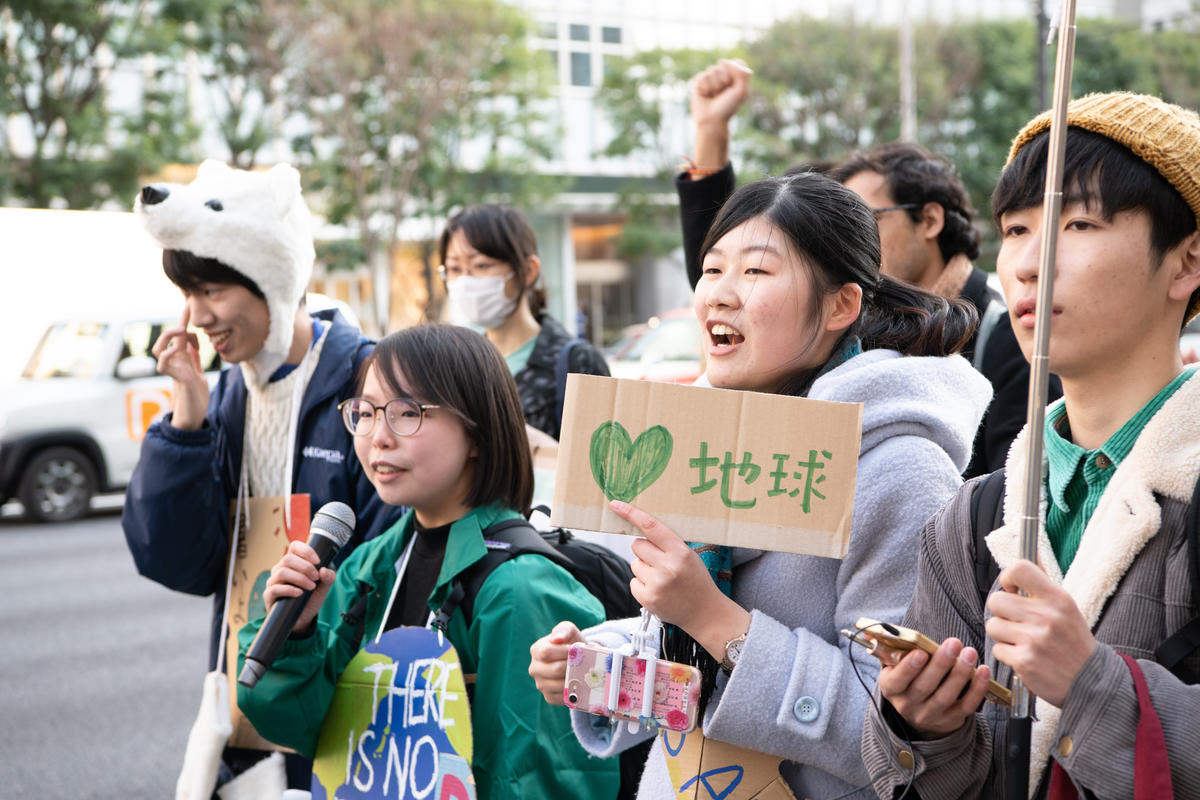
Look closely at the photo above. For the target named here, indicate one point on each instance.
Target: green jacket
(524, 747)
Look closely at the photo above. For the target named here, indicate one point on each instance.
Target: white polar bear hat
(253, 222)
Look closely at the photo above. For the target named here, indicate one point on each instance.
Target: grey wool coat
(1129, 579)
(793, 693)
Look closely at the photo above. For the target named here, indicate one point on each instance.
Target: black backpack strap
(561, 367)
(356, 615)
(1180, 644)
(506, 539)
(987, 514)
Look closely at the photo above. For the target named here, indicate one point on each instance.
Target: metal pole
(1020, 723)
(1040, 23)
(908, 82)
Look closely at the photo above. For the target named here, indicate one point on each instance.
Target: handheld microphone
(331, 528)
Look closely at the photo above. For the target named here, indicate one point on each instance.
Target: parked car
(625, 340)
(668, 351)
(72, 425)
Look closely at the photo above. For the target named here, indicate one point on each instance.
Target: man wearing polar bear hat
(239, 246)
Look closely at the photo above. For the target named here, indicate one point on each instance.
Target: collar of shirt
(1098, 465)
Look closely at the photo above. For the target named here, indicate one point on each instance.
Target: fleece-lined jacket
(1130, 580)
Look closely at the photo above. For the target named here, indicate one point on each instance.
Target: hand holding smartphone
(889, 643)
(587, 688)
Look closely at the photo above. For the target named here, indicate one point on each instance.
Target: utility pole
(1041, 23)
(908, 88)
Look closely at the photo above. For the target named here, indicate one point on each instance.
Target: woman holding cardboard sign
(792, 302)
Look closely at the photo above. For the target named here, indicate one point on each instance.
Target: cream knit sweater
(269, 415)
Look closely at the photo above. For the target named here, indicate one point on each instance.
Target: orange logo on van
(142, 408)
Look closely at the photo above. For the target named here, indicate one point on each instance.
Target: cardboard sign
(261, 543)
(399, 724)
(719, 466)
(705, 769)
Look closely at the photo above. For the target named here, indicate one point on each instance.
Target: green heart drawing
(623, 469)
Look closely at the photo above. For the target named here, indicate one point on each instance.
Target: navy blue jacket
(176, 516)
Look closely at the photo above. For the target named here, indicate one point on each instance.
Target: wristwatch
(733, 651)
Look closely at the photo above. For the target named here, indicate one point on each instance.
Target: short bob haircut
(465, 374)
(189, 271)
(502, 233)
(835, 234)
(1097, 171)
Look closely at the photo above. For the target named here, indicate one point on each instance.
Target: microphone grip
(282, 618)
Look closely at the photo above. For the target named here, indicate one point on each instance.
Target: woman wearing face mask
(791, 301)
(490, 265)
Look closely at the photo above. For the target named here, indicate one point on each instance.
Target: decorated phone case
(676, 688)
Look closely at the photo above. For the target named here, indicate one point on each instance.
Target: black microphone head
(335, 520)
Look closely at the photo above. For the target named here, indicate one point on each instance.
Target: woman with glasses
(437, 427)
(490, 266)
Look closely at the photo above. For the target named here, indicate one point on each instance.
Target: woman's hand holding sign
(671, 582)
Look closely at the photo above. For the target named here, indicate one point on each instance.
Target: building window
(610, 35)
(580, 33)
(547, 30)
(581, 69)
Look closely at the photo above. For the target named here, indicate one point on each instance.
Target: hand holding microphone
(297, 587)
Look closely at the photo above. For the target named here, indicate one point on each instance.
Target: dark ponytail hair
(915, 322)
(835, 232)
(502, 233)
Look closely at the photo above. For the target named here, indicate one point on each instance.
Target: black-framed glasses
(403, 415)
(901, 207)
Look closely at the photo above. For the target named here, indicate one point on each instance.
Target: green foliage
(413, 108)
(822, 89)
(416, 107)
(56, 73)
(640, 91)
(341, 254)
(242, 48)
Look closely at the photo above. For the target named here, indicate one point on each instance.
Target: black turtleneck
(412, 601)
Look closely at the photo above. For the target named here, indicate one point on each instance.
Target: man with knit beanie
(239, 246)
(1093, 636)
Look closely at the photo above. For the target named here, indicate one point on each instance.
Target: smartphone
(676, 687)
(889, 643)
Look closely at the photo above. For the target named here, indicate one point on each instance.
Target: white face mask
(480, 301)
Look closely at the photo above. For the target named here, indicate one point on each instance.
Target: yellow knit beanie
(1164, 135)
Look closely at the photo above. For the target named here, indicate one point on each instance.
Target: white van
(72, 424)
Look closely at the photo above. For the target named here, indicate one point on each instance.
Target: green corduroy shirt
(1076, 478)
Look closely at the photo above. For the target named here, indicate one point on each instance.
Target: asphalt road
(100, 668)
